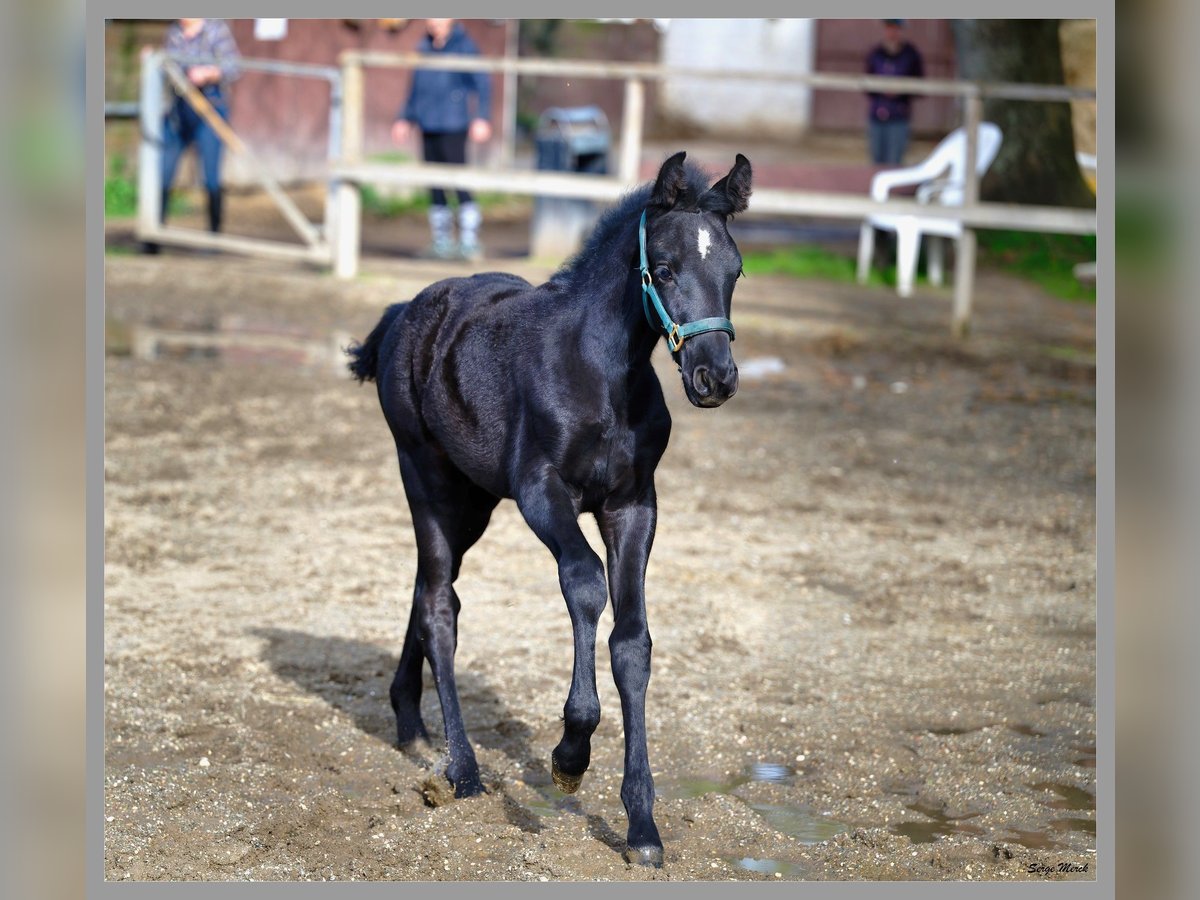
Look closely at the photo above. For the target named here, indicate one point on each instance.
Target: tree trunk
(1037, 161)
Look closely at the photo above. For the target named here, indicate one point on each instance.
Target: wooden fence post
(631, 130)
(964, 264)
(508, 118)
(348, 200)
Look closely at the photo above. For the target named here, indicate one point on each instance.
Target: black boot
(214, 210)
(151, 247)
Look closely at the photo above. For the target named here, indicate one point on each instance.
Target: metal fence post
(631, 130)
(964, 264)
(150, 148)
(348, 200)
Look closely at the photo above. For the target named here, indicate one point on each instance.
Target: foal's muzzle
(709, 385)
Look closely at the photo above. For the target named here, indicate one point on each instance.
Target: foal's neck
(622, 320)
(607, 276)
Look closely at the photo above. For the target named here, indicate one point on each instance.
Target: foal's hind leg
(449, 515)
(551, 513)
(406, 687)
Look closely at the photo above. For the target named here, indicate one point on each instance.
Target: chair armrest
(883, 182)
(940, 190)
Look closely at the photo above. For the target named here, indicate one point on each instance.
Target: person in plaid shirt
(183, 126)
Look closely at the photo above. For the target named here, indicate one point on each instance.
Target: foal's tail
(364, 357)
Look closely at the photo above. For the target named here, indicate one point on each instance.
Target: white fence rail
(339, 236)
(352, 171)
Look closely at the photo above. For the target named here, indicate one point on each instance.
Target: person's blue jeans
(887, 141)
(182, 127)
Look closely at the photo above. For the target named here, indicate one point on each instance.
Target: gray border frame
(1103, 12)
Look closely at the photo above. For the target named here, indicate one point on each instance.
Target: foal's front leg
(628, 532)
(551, 513)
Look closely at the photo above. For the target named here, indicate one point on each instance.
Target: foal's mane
(607, 253)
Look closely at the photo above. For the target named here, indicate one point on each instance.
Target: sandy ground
(885, 672)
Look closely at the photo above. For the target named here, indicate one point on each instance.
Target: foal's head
(694, 265)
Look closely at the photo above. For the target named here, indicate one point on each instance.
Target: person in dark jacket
(440, 105)
(888, 114)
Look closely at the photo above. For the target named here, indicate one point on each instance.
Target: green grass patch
(1069, 354)
(391, 156)
(810, 261)
(1045, 259)
(385, 207)
(121, 193)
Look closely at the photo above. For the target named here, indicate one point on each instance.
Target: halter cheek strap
(676, 333)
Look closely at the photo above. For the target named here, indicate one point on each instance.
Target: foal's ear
(732, 193)
(671, 182)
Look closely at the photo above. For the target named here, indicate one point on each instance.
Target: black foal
(494, 388)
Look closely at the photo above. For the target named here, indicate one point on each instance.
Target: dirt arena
(887, 671)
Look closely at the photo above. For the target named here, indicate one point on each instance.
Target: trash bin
(574, 139)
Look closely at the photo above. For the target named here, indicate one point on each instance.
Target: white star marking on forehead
(704, 240)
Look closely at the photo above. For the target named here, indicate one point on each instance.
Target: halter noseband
(676, 333)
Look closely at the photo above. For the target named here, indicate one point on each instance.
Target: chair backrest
(945, 168)
(953, 149)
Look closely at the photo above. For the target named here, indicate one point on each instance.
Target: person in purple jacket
(439, 104)
(888, 114)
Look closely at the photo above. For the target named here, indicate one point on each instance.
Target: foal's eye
(741, 273)
(662, 273)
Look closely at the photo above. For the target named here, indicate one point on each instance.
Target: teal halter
(676, 334)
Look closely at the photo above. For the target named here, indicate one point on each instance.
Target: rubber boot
(469, 220)
(215, 199)
(441, 224)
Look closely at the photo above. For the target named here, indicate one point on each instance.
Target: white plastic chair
(940, 178)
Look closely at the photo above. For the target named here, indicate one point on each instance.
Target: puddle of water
(928, 832)
(802, 823)
(230, 342)
(1085, 825)
(942, 824)
(689, 788)
(938, 812)
(551, 802)
(946, 730)
(1070, 797)
(768, 866)
(1088, 760)
(775, 773)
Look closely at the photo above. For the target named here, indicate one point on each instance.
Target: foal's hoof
(568, 784)
(469, 788)
(644, 856)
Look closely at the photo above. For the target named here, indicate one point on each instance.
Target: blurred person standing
(888, 115)
(439, 104)
(184, 126)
